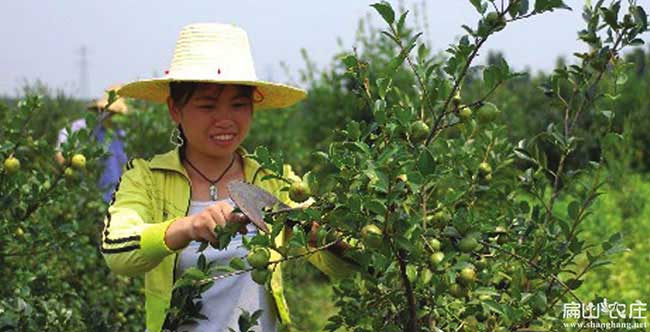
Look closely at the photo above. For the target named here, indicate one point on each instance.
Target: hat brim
(118, 106)
(275, 95)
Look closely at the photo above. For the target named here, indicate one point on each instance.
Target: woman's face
(215, 120)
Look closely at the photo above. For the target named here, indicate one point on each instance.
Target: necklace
(213, 188)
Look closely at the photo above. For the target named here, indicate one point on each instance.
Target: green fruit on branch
(481, 263)
(78, 161)
(457, 291)
(440, 218)
(12, 165)
(411, 273)
(299, 192)
(470, 324)
(258, 257)
(457, 99)
(453, 132)
(419, 131)
(330, 198)
(372, 236)
(402, 177)
(467, 275)
(538, 303)
(491, 18)
(468, 244)
(68, 173)
(484, 169)
(261, 276)
(465, 114)
(19, 232)
(425, 276)
(485, 179)
(435, 244)
(436, 258)
(496, 21)
(487, 113)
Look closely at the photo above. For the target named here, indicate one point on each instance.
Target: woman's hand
(200, 226)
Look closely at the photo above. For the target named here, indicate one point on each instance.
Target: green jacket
(153, 194)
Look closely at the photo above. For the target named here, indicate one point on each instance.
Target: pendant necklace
(213, 188)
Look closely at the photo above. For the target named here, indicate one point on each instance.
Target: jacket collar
(171, 161)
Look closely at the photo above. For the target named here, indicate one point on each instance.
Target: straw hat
(118, 106)
(213, 53)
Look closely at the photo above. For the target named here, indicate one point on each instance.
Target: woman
(162, 208)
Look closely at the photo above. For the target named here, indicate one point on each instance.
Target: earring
(175, 137)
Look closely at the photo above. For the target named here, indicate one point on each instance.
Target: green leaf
(202, 246)
(573, 210)
(538, 301)
(549, 5)
(383, 86)
(397, 61)
(201, 263)
(350, 61)
(479, 5)
(615, 238)
(493, 306)
(354, 131)
(263, 155)
(574, 283)
(608, 114)
(640, 18)
(404, 115)
(490, 76)
(401, 21)
(385, 10)
(423, 52)
(354, 202)
(520, 9)
(469, 30)
(426, 162)
(362, 146)
(377, 207)
(636, 42)
(379, 111)
(610, 17)
(523, 154)
(237, 263)
(404, 243)
(193, 273)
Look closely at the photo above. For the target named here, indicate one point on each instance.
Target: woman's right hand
(200, 226)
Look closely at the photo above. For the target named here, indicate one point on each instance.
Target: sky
(128, 40)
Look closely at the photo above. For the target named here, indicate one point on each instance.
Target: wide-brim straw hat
(118, 106)
(214, 53)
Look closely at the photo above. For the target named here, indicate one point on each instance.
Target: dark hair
(181, 91)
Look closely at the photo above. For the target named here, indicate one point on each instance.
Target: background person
(114, 163)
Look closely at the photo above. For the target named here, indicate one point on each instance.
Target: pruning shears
(252, 200)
